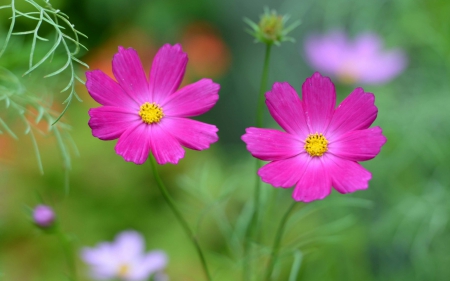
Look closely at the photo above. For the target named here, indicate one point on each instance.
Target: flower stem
(255, 220)
(67, 246)
(179, 217)
(262, 88)
(276, 242)
(259, 124)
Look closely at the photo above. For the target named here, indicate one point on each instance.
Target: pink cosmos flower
(125, 259)
(359, 61)
(150, 115)
(321, 145)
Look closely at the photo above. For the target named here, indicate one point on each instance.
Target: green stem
(276, 242)
(66, 242)
(254, 223)
(179, 217)
(259, 124)
(262, 88)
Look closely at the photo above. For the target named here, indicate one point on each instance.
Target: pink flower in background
(150, 115)
(321, 145)
(125, 259)
(361, 60)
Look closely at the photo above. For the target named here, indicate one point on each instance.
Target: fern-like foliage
(66, 38)
(30, 110)
(26, 102)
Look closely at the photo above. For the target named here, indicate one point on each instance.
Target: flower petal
(104, 90)
(129, 245)
(270, 145)
(327, 53)
(167, 72)
(284, 173)
(102, 260)
(361, 145)
(134, 144)
(190, 133)
(152, 262)
(286, 108)
(319, 99)
(102, 254)
(347, 176)
(315, 184)
(109, 122)
(128, 70)
(165, 147)
(384, 68)
(356, 112)
(192, 100)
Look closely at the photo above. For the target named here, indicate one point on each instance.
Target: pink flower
(322, 144)
(150, 115)
(359, 61)
(125, 259)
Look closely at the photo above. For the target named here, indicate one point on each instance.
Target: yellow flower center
(151, 112)
(316, 144)
(123, 270)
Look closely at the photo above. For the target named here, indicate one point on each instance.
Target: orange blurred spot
(208, 54)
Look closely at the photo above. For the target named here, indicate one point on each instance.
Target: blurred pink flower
(124, 259)
(322, 144)
(359, 61)
(150, 116)
(43, 216)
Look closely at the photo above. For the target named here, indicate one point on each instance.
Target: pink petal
(167, 72)
(286, 108)
(129, 245)
(109, 122)
(358, 145)
(165, 147)
(284, 173)
(315, 183)
(270, 145)
(190, 133)
(192, 100)
(319, 99)
(383, 67)
(347, 176)
(128, 70)
(134, 144)
(356, 112)
(328, 52)
(106, 91)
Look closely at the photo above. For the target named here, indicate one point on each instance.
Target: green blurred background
(396, 230)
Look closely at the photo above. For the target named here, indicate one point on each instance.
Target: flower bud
(43, 216)
(271, 28)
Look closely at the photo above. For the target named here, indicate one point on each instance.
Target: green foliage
(20, 104)
(59, 21)
(61, 46)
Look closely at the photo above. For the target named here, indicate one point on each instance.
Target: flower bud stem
(179, 217)
(253, 227)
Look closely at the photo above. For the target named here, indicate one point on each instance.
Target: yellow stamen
(316, 144)
(123, 270)
(151, 112)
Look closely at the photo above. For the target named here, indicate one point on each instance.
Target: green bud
(271, 28)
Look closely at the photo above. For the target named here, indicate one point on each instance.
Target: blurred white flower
(125, 259)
